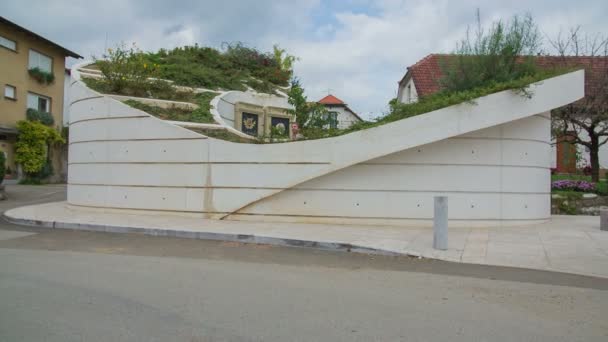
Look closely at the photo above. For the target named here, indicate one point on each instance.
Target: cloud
(355, 48)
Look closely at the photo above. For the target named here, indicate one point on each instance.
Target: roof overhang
(39, 37)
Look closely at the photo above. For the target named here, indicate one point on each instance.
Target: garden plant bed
(175, 113)
(577, 195)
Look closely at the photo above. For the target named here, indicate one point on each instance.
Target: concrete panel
(461, 178)
(226, 110)
(79, 91)
(258, 175)
(159, 198)
(127, 129)
(101, 108)
(406, 205)
(315, 151)
(178, 175)
(473, 152)
(135, 197)
(153, 151)
(533, 127)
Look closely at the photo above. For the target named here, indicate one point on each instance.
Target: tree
(309, 115)
(585, 121)
(283, 59)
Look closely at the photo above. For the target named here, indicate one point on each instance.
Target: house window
(39, 102)
(10, 92)
(40, 61)
(409, 93)
(333, 119)
(7, 43)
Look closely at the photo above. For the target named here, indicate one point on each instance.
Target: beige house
(21, 51)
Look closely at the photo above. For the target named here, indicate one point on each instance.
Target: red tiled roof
(427, 72)
(331, 100)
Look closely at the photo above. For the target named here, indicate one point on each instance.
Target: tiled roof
(427, 72)
(331, 100)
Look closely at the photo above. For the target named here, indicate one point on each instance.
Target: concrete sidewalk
(571, 244)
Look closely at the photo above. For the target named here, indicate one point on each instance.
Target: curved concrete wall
(491, 159)
(495, 175)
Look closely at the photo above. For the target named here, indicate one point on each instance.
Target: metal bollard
(604, 220)
(440, 223)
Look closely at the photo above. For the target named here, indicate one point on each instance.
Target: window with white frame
(40, 61)
(8, 43)
(39, 102)
(10, 92)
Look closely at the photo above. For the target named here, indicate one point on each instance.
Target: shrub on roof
(502, 53)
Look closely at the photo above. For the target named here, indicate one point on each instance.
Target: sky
(357, 50)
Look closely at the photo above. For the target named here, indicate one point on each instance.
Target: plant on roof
(201, 114)
(43, 77)
(234, 67)
(124, 68)
(501, 53)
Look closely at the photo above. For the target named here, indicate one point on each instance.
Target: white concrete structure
(491, 159)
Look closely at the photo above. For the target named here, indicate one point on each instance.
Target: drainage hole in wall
(304, 202)
(418, 205)
(472, 205)
(357, 204)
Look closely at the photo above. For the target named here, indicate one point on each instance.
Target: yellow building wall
(14, 72)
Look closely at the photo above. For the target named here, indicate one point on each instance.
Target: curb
(243, 238)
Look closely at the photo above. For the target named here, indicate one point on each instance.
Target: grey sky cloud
(357, 49)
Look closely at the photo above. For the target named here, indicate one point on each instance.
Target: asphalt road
(62, 285)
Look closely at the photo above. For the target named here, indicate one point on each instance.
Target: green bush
(232, 68)
(43, 117)
(42, 76)
(2, 166)
(126, 68)
(503, 53)
(32, 145)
